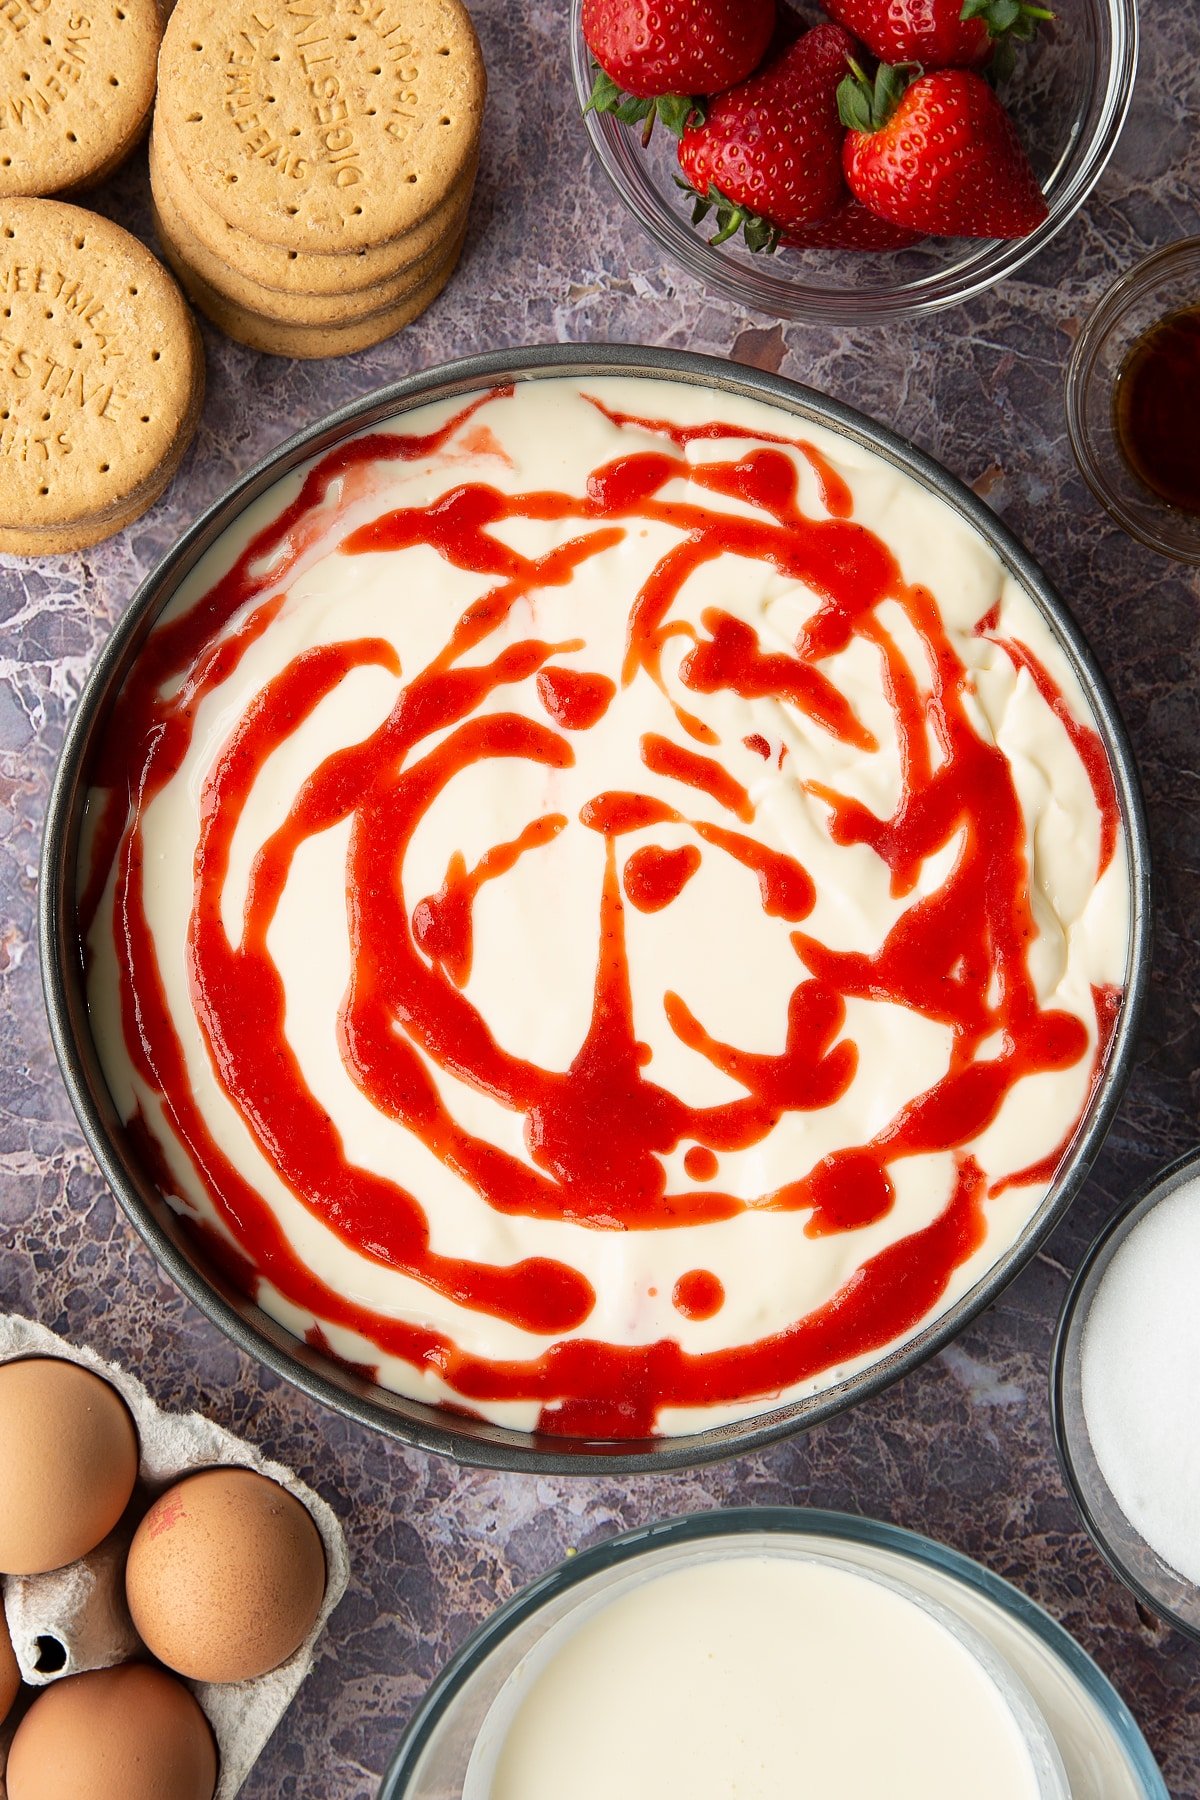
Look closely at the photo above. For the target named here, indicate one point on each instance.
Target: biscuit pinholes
(101, 377)
(76, 89)
(322, 124)
(312, 163)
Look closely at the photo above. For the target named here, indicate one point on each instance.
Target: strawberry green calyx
(866, 105)
(1009, 22)
(759, 234)
(1006, 18)
(676, 111)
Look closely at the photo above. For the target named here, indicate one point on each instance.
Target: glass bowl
(1069, 96)
(1094, 1743)
(1163, 1589)
(1161, 284)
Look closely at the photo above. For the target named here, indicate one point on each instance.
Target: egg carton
(75, 1619)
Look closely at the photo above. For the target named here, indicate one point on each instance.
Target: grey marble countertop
(961, 1449)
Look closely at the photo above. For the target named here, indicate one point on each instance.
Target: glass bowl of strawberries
(853, 160)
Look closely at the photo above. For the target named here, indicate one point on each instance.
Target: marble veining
(961, 1449)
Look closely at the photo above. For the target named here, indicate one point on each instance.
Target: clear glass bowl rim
(1144, 1199)
(733, 1522)
(1081, 370)
(992, 261)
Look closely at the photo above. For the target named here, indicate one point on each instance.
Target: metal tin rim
(1145, 1198)
(429, 1427)
(784, 1520)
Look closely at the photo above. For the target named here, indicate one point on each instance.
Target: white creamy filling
(762, 1677)
(535, 929)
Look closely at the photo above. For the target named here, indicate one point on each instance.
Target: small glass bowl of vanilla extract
(1133, 401)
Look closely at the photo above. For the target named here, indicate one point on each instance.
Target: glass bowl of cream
(769, 1652)
(1123, 1394)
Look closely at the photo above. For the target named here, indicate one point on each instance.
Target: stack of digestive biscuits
(101, 378)
(312, 163)
(76, 90)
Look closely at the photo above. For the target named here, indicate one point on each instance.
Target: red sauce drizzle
(441, 924)
(1084, 741)
(654, 877)
(598, 1133)
(699, 1294)
(662, 757)
(849, 1189)
(1107, 1002)
(700, 1163)
(574, 699)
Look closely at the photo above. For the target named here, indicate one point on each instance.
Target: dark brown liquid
(1157, 408)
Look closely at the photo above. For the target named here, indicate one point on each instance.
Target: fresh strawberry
(657, 57)
(938, 34)
(937, 154)
(768, 156)
(852, 227)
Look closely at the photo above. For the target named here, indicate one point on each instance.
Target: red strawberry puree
(633, 678)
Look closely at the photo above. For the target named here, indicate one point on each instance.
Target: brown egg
(10, 1675)
(70, 1458)
(131, 1733)
(226, 1576)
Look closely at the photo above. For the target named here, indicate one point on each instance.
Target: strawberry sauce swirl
(596, 1134)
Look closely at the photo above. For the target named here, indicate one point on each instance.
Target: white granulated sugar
(1140, 1371)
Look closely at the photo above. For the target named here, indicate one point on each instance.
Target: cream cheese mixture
(604, 905)
(758, 1678)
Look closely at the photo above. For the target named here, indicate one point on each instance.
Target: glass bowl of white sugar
(1125, 1393)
